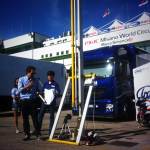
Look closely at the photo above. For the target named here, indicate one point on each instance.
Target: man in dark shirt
(51, 92)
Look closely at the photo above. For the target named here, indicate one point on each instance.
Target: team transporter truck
(113, 94)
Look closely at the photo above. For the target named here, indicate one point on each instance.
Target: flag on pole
(106, 13)
(143, 2)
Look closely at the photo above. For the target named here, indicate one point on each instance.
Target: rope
(94, 111)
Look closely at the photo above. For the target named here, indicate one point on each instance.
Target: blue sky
(52, 17)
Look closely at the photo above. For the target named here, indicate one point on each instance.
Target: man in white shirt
(51, 92)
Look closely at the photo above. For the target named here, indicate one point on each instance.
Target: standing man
(28, 86)
(51, 92)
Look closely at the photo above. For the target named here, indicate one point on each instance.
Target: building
(135, 31)
(24, 42)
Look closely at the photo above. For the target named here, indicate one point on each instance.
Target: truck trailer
(141, 83)
(12, 67)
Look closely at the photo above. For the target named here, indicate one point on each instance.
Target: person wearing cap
(51, 92)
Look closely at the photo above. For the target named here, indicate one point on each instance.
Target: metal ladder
(89, 81)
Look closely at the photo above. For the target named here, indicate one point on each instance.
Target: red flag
(106, 13)
(143, 2)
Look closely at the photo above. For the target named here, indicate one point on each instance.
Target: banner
(126, 36)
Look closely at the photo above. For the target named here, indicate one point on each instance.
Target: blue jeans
(51, 110)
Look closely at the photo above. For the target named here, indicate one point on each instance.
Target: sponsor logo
(109, 107)
(143, 92)
(139, 70)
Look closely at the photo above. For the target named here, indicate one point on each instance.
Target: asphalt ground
(113, 135)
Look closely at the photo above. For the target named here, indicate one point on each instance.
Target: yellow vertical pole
(73, 54)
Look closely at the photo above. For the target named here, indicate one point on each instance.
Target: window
(50, 55)
(102, 69)
(57, 53)
(123, 70)
(65, 40)
(67, 52)
(42, 56)
(60, 41)
(51, 44)
(46, 55)
(62, 53)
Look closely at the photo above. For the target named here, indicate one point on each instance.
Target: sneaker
(31, 132)
(35, 133)
(38, 138)
(17, 131)
(26, 138)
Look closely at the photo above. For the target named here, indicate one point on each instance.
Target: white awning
(116, 25)
(144, 18)
(92, 31)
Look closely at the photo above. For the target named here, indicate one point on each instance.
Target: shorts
(16, 106)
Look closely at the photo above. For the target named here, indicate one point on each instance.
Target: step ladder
(89, 81)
